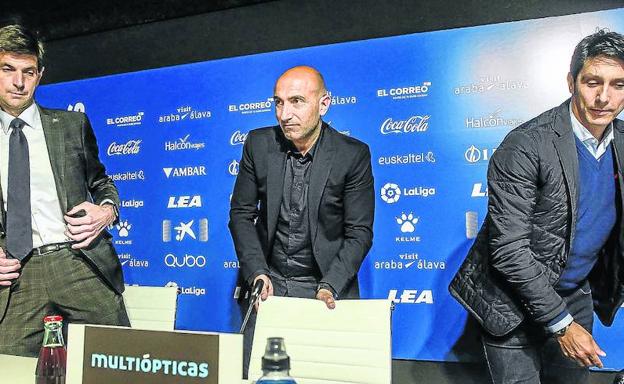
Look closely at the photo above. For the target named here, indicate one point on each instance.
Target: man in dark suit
(302, 209)
(55, 257)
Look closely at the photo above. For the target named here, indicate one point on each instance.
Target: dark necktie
(19, 222)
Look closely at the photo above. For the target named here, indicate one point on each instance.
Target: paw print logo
(124, 228)
(407, 222)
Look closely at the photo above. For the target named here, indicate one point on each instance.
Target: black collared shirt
(292, 254)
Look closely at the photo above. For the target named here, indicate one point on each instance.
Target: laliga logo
(234, 167)
(390, 193)
(132, 147)
(413, 124)
(238, 138)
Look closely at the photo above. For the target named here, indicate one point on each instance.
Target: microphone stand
(255, 295)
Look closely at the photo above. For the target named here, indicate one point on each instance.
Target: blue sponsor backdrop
(433, 108)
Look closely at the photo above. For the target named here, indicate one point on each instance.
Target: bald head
(305, 74)
(300, 101)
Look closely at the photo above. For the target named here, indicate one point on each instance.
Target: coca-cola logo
(411, 125)
(238, 138)
(132, 147)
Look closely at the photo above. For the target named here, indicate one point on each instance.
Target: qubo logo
(479, 190)
(78, 107)
(184, 202)
(188, 261)
(411, 296)
(184, 230)
(390, 193)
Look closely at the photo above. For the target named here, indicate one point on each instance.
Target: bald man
(301, 214)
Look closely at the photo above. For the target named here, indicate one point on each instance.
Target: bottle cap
(275, 357)
(52, 318)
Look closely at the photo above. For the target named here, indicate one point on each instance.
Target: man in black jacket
(301, 213)
(551, 249)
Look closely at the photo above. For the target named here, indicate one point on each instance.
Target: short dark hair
(17, 39)
(600, 43)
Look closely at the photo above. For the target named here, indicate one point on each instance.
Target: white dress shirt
(47, 219)
(595, 147)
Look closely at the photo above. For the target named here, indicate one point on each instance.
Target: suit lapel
(568, 156)
(321, 167)
(275, 182)
(55, 142)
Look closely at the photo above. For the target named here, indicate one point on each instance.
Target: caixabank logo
(185, 113)
(189, 230)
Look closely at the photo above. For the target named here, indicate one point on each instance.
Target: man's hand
(267, 289)
(577, 344)
(326, 296)
(8, 269)
(84, 229)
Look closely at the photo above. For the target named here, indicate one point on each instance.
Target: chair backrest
(350, 344)
(152, 308)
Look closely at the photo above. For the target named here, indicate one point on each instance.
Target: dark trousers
(304, 287)
(60, 283)
(529, 355)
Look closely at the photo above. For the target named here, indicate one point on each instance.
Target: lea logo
(411, 296)
(184, 201)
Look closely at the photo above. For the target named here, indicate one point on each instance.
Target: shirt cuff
(560, 322)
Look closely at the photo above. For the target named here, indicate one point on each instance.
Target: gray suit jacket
(79, 176)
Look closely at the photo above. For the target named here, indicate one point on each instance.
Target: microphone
(619, 378)
(253, 298)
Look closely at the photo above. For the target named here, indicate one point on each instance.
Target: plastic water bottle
(275, 363)
(52, 356)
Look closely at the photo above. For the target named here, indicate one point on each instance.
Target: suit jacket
(79, 176)
(512, 269)
(341, 205)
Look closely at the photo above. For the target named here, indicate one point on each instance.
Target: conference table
(21, 370)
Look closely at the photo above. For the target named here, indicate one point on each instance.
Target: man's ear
(325, 102)
(570, 83)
